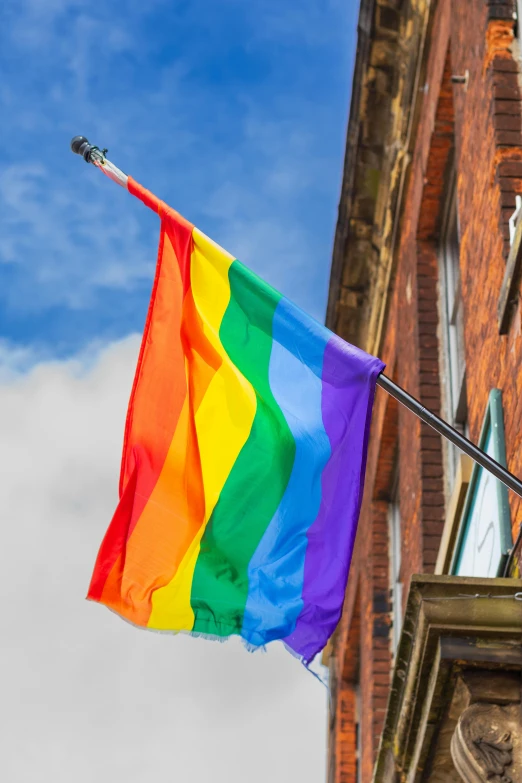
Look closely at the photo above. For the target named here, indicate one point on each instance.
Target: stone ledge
(444, 637)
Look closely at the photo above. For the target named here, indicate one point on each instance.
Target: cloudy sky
(234, 112)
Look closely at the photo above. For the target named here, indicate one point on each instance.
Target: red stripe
(159, 388)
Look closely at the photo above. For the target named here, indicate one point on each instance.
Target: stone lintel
(461, 645)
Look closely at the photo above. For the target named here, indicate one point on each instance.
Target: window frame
(358, 731)
(450, 300)
(451, 344)
(395, 562)
(492, 426)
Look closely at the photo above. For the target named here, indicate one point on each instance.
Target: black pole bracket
(89, 152)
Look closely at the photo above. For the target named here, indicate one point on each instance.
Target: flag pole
(451, 434)
(92, 154)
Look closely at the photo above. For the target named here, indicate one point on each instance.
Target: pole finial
(90, 153)
(81, 146)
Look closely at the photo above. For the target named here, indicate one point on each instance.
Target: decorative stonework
(386, 92)
(483, 744)
(495, 755)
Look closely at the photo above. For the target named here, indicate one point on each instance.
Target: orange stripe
(165, 527)
(155, 405)
(171, 516)
(159, 385)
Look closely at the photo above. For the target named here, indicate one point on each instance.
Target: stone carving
(496, 755)
(482, 746)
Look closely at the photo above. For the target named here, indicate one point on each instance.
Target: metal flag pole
(96, 156)
(442, 427)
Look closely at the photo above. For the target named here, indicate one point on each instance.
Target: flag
(243, 458)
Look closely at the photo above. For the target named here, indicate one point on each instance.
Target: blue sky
(233, 112)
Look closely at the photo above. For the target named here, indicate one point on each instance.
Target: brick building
(425, 274)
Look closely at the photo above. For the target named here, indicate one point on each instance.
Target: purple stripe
(349, 377)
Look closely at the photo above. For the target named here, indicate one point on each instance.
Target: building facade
(426, 275)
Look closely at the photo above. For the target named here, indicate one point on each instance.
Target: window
(358, 745)
(485, 531)
(452, 320)
(515, 217)
(394, 536)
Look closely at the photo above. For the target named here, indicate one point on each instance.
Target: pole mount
(80, 145)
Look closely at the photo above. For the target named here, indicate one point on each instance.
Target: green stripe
(260, 474)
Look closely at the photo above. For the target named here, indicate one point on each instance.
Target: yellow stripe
(223, 423)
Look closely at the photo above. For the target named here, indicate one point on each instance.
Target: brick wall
(486, 195)
(480, 123)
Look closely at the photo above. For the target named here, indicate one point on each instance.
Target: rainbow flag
(243, 458)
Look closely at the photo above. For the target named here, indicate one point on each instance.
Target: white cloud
(68, 246)
(15, 360)
(85, 696)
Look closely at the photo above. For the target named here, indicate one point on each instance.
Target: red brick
(504, 64)
(430, 441)
(508, 199)
(511, 168)
(432, 471)
(510, 122)
(507, 107)
(504, 78)
(506, 93)
(506, 213)
(432, 528)
(513, 184)
(509, 138)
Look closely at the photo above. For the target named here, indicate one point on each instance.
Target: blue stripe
(276, 571)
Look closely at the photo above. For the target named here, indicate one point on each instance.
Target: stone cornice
(442, 629)
(384, 111)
